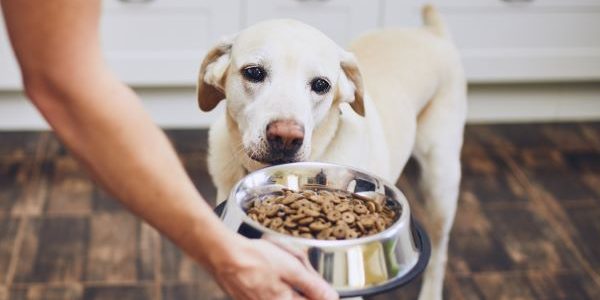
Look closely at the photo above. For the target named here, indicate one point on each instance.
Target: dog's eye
(254, 74)
(320, 86)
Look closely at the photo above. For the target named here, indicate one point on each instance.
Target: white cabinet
(517, 40)
(151, 42)
(342, 20)
(162, 42)
(10, 77)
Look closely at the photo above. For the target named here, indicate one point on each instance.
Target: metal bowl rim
(402, 223)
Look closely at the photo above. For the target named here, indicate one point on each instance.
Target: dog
(292, 94)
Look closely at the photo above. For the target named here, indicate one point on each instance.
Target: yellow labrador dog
(292, 94)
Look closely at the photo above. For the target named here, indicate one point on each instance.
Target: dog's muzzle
(284, 139)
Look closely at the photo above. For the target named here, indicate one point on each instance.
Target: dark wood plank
(592, 181)
(32, 199)
(176, 266)
(121, 292)
(472, 242)
(532, 285)
(591, 130)
(14, 176)
(18, 143)
(8, 234)
(103, 202)
(196, 167)
(148, 247)
(53, 250)
(44, 292)
(564, 285)
(452, 291)
(512, 136)
(70, 190)
(112, 248)
(567, 137)
(549, 169)
(189, 141)
(501, 286)
(490, 179)
(583, 162)
(503, 246)
(587, 223)
(200, 290)
(530, 240)
(185, 273)
(468, 288)
(55, 149)
(476, 252)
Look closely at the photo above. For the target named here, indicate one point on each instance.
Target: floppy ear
(211, 78)
(351, 84)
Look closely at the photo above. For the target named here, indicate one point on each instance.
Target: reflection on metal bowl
(354, 267)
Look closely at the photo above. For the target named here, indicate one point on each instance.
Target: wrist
(227, 251)
(213, 245)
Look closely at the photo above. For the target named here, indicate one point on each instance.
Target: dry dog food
(321, 214)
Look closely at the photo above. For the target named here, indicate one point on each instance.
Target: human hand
(259, 269)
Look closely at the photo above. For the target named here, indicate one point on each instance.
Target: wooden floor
(528, 225)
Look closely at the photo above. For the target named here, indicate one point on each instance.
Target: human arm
(104, 125)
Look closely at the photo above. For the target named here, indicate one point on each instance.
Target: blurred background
(528, 225)
(526, 60)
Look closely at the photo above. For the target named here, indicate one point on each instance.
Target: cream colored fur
(414, 102)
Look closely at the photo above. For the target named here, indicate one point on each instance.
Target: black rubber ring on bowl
(421, 242)
(219, 209)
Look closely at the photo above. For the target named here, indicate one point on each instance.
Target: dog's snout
(285, 136)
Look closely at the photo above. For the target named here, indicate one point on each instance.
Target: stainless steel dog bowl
(356, 267)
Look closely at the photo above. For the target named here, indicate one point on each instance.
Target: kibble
(319, 213)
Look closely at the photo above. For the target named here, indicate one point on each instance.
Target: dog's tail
(433, 21)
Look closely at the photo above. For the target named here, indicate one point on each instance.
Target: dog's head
(281, 79)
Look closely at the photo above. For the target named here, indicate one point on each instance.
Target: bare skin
(104, 125)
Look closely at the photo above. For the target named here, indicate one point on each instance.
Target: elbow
(52, 97)
(41, 89)
(38, 88)
(53, 91)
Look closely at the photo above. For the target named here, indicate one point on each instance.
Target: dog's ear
(350, 83)
(213, 72)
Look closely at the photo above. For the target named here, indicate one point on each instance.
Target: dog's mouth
(272, 157)
(275, 158)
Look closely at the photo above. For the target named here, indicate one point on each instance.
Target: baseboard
(490, 103)
(543, 102)
(169, 107)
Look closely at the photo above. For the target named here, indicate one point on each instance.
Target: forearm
(103, 123)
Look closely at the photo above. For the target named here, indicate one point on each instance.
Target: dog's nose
(285, 136)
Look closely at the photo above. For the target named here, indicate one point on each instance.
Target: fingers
(298, 297)
(276, 290)
(301, 275)
(301, 256)
(310, 284)
(264, 270)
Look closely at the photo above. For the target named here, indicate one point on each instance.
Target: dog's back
(403, 71)
(411, 60)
